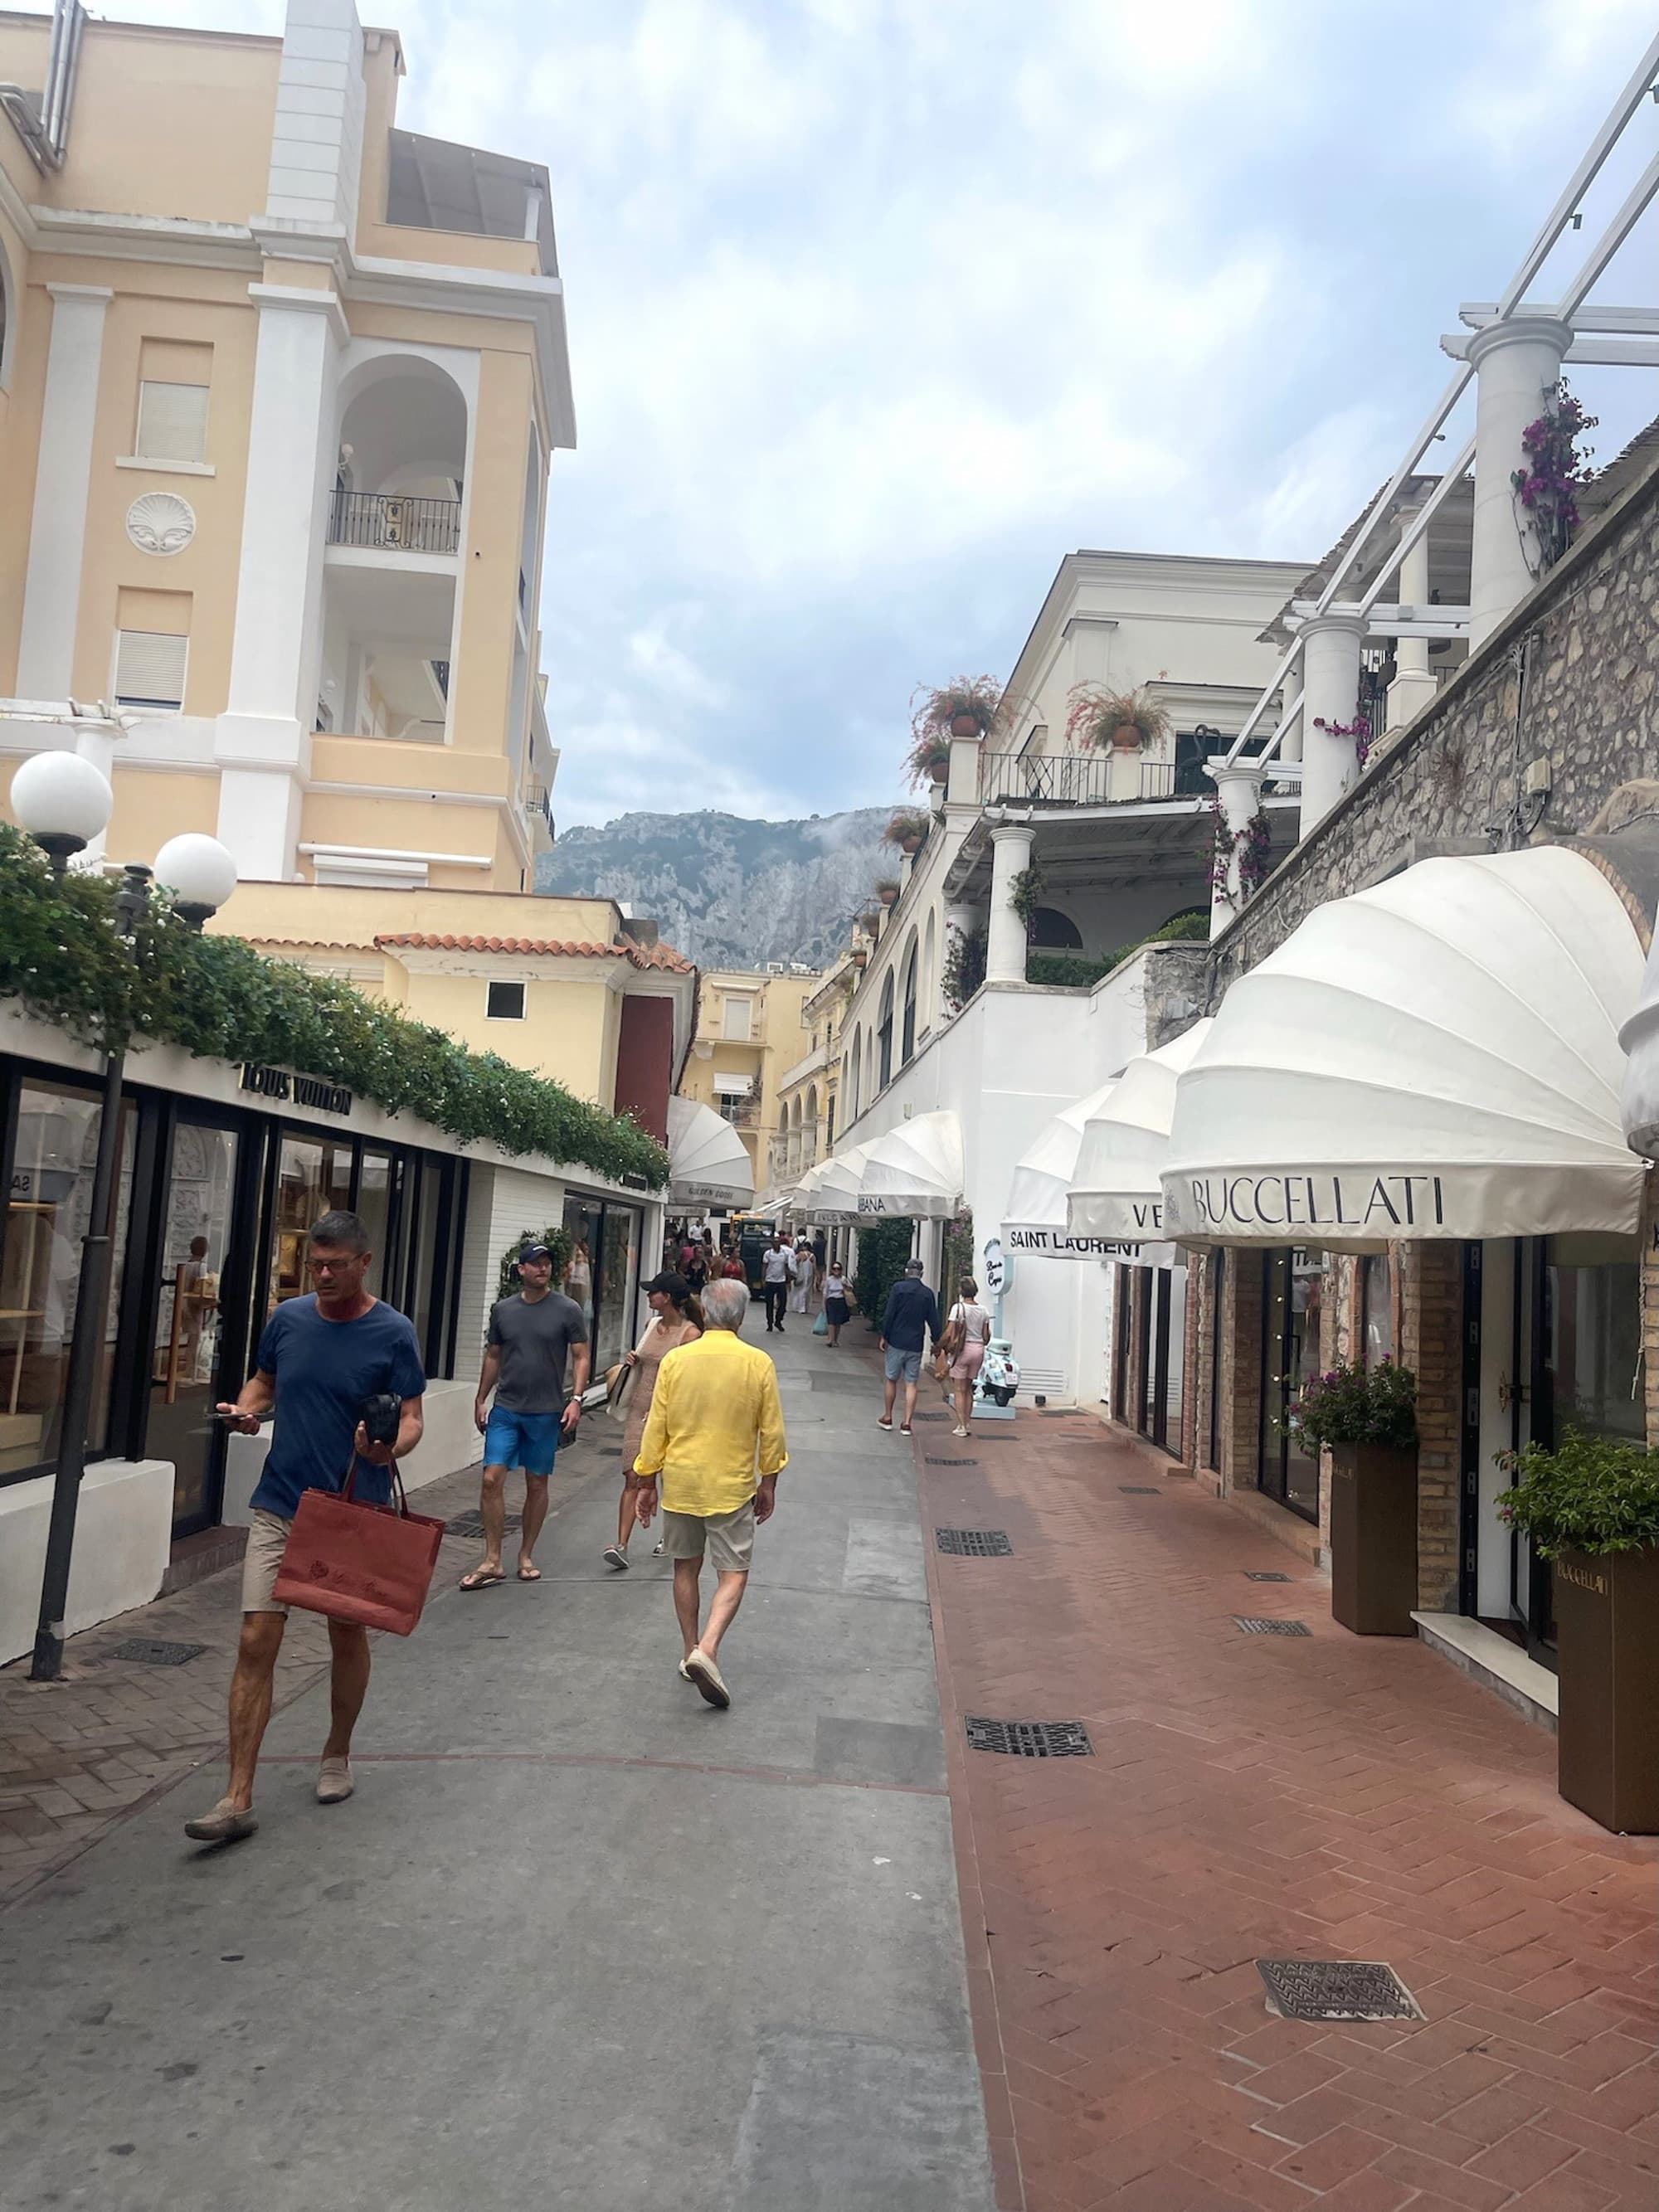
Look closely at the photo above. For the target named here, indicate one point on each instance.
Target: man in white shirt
(777, 1271)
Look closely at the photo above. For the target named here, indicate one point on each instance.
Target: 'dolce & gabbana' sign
(279, 1084)
(1357, 1201)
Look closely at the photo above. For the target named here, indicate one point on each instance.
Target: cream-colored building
(750, 1033)
(807, 1091)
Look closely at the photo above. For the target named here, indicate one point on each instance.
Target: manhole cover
(1140, 1490)
(471, 1524)
(153, 1651)
(932, 1459)
(1030, 1739)
(1264, 1575)
(1336, 1989)
(1254, 1627)
(974, 1543)
(932, 1417)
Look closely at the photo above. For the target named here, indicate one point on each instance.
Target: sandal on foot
(481, 1578)
(529, 1574)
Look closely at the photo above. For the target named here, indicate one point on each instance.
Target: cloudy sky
(878, 307)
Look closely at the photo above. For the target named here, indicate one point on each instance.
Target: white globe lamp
(63, 802)
(198, 871)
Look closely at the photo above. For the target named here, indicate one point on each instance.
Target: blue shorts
(527, 1440)
(904, 1366)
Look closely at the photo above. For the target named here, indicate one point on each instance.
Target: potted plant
(1591, 1507)
(1126, 720)
(907, 830)
(1368, 1417)
(888, 890)
(969, 706)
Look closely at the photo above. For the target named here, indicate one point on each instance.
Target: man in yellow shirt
(715, 1434)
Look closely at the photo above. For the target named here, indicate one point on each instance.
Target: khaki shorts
(728, 1539)
(267, 1540)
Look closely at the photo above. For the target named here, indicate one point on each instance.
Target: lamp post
(63, 803)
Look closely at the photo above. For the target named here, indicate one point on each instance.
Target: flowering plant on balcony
(907, 828)
(1547, 487)
(968, 707)
(1252, 847)
(1098, 714)
(1353, 1405)
(1359, 730)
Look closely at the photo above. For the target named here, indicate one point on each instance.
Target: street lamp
(63, 803)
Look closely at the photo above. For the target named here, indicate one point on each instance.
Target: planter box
(1374, 1538)
(1607, 1615)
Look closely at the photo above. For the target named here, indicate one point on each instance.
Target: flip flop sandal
(530, 1574)
(479, 1579)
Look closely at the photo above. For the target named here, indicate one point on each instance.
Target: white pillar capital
(1519, 331)
(1518, 363)
(1005, 949)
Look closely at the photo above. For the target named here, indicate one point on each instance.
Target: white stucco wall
(122, 1532)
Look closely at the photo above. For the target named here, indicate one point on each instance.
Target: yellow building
(807, 1100)
(750, 1035)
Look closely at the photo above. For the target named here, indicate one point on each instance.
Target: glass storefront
(1376, 1309)
(604, 1274)
(198, 1232)
(314, 1177)
(1292, 1305)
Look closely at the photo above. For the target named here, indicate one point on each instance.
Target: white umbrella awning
(836, 1193)
(1034, 1219)
(915, 1169)
(708, 1164)
(1435, 1057)
(1114, 1188)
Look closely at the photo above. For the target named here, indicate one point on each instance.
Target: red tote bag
(370, 1564)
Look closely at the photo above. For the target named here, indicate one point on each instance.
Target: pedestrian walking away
(912, 1314)
(529, 1338)
(676, 1319)
(837, 1312)
(321, 1359)
(715, 1436)
(967, 1333)
(777, 1272)
(801, 1297)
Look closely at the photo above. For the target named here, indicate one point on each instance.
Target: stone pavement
(1254, 1796)
(578, 1940)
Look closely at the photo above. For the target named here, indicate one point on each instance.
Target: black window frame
(505, 983)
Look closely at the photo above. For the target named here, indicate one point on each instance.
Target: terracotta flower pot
(887, 898)
(1126, 737)
(964, 726)
(938, 771)
(909, 846)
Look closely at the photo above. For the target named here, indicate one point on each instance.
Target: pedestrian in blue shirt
(912, 1311)
(320, 1359)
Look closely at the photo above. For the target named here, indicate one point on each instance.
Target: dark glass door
(198, 1263)
(1293, 1292)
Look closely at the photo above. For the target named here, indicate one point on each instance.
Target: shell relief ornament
(160, 522)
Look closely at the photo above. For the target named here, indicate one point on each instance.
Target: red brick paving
(1254, 1797)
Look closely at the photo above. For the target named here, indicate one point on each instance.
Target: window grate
(471, 1524)
(1336, 1989)
(974, 1543)
(933, 1459)
(1140, 1490)
(1261, 1627)
(1029, 1739)
(156, 1651)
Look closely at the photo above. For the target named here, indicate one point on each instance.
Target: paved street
(578, 1940)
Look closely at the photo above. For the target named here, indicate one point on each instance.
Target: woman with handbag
(837, 1311)
(962, 1350)
(677, 1319)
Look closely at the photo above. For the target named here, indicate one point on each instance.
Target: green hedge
(1068, 970)
(221, 1000)
(883, 1248)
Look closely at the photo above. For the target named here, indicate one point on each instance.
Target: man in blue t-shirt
(319, 1359)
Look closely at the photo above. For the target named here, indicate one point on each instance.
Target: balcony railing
(391, 522)
(538, 800)
(1079, 779)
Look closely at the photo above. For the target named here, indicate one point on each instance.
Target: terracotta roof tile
(658, 956)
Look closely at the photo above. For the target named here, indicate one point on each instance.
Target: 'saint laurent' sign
(278, 1082)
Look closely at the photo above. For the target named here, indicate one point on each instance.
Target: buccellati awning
(708, 1164)
(916, 1169)
(1034, 1219)
(1116, 1190)
(1438, 1056)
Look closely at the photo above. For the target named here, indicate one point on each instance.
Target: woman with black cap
(678, 1320)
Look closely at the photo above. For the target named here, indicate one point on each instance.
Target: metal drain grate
(1030, 1739)
(154, 1651)
(974, 1543)
(932, 1417)
(932, 1459)
(1257, 1627)
(471, 1524)
(1140, 1490)
(1264, 1575)
(1336, 1989)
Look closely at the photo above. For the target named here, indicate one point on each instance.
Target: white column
(57, 527)
(263, 740)
(962, 782)
(1517, 363)
(1239, 788)
(1330, 689)
(1123, 765)
(1413, 685)
(1004, 949)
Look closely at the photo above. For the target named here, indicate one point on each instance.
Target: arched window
(1054, 931)
(908, 1030)
(810, 1129)
(856, 1075)
(884, 1036)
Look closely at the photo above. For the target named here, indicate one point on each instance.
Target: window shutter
(172, 421)
(149, 669)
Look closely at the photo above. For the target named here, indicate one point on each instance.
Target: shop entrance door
(198, 1338)
(1293, 1284)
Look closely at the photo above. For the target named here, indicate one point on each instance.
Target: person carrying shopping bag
(962, 1349)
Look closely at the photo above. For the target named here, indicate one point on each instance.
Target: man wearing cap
(529, 1337)
(912, 1309)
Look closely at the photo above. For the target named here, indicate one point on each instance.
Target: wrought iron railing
(394, 522)
(1070, 780)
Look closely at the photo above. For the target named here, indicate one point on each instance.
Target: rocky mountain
(731, 893)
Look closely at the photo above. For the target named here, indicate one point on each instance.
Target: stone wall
(1453, 779)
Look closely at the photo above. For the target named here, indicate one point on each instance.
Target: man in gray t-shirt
(526, 1348)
